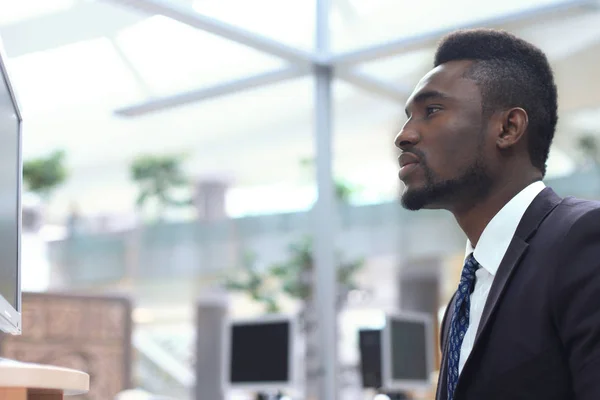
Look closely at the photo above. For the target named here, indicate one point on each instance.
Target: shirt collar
(498, 233)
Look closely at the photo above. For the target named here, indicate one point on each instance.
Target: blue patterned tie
(460, 320)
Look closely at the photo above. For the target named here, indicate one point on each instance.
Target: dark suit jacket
(539, 336)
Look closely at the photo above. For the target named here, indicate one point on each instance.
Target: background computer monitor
(10, 203)
(407, 351)
(259, 353)
(369, 344)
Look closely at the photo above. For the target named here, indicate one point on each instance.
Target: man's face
(444, 161)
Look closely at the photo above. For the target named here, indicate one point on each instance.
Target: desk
(24, 381)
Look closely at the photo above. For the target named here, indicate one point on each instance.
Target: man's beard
(473, 185)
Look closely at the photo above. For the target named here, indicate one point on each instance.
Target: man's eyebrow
(427, 95)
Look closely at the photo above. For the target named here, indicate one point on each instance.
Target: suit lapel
(513, 255)
(541, 206)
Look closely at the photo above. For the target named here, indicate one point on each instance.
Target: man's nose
(407, 137)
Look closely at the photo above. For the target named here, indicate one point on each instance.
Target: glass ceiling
(21, 10)
(69, 92)
(356, 23)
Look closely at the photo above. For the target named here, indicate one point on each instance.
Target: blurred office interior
(173, 159)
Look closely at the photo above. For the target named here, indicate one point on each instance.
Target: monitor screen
(260, 353)
(369, 343)
(408, 351)
(10, 207)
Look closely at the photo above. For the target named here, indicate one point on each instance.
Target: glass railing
(201, 249)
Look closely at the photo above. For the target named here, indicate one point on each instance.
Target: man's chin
(415, 200)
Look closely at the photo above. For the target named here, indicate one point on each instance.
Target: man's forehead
(425, 82)
(444, 79)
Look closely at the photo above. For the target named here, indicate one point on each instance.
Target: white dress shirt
(490, 250)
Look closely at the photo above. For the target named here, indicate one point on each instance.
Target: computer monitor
(10, 203)
(369, 344)
(259, 353)
(407, 351)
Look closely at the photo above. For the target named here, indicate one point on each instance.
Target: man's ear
(514, 124)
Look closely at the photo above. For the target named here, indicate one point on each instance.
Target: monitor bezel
(259, 386)
(10, 317)
(388, 383)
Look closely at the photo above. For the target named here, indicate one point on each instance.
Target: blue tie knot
(470, 268)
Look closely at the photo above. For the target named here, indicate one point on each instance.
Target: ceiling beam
(186, 15)
(420, 41)
(395, 93)
(195, 95)
(373, 85)
(133, 70)
(86, 20)
(556, 38)
(341, 63)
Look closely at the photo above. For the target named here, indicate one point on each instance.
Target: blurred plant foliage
(292, 277)
(157, 177)
(43, 175)
(343, 189)
(588, 145)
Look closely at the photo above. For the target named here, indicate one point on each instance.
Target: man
(525, 321)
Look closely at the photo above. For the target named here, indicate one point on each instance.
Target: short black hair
(510, 72)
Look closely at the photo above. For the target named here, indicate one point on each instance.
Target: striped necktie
(460, 321)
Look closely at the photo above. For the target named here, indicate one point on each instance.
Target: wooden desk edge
(14, 374)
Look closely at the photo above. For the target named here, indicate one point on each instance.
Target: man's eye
(432, 110)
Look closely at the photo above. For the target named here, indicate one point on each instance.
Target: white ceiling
(75, 62)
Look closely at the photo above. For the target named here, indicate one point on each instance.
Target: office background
(174, 148)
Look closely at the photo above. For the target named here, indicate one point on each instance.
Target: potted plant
(44, 174)
(41, 176)
(294, 279)
(588, 146)
(157, 177)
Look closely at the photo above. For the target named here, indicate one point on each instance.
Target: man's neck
(474, 219)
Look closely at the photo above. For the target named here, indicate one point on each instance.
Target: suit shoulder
(574, 214)
(579, 204)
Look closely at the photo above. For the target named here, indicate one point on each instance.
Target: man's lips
(408, 162)
(407, 158)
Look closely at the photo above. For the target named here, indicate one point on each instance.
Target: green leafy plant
(343, 189)
(296, 273)
(253, 282)
(589, 147)
(44, 174)
(293, 277)
(157, 176)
